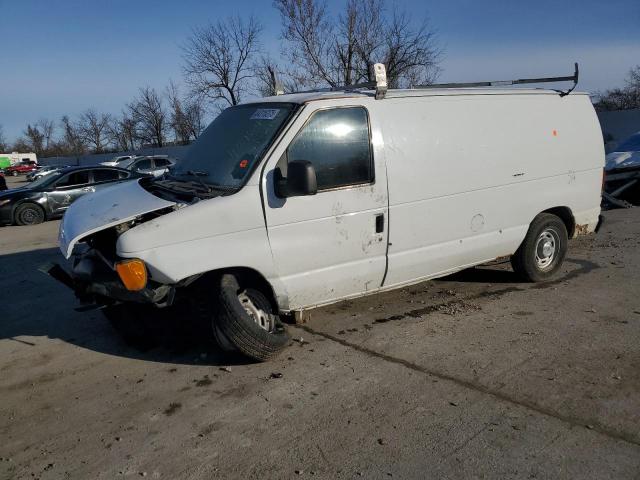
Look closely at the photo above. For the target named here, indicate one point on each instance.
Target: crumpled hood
(622, 160)
(104, 209)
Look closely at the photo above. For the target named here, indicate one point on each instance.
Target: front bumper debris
(94, 283)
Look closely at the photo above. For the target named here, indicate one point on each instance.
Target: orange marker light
(133, 274)
(244, 163)
(555, 133)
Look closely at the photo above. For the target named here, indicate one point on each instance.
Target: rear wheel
(246, 320)
(543, 250)
(29, 214)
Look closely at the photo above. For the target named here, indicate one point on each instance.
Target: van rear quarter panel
(468, 173)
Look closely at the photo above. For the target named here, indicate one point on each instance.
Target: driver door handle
(380, 223)
(88, 189)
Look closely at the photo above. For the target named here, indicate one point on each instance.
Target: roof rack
(501, 83)
(380, 85)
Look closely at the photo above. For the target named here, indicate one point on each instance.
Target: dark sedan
(49, 196)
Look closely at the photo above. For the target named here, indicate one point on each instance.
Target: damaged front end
(88, 237)
(99, 277)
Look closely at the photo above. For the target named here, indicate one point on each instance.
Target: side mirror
(300, 181)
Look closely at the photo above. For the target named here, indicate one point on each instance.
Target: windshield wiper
(198, 175)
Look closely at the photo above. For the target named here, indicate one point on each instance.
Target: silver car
(155, 165)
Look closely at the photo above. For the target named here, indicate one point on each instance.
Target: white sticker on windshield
(265, 114)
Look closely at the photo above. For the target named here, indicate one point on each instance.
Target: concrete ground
(472, 376)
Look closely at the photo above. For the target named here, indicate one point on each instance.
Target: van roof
(305, 97)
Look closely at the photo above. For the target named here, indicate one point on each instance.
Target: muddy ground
(472, 376)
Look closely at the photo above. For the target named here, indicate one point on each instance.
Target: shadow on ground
(35, 305)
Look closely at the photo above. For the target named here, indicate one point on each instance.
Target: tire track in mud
(571, 420)
(585, 266)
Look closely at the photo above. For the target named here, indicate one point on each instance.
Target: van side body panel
(467, 174)
(458, 179)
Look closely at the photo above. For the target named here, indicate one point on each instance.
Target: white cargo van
(296, 201)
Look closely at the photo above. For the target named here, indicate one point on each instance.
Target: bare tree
(21, 145)
(633, 78)
(123, 132)
(178, 118)
(148, 112)
(309, 35)
(195, 116)
(218, 59)
(93, 127)
(342, 51)
(72, 142)
(47, 128)
(622, 98)
(270, 78)
(3, 143)
(34, 139)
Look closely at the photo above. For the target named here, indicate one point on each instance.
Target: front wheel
(543, 250)
(14, 173)
(246, 320)
(29, 214)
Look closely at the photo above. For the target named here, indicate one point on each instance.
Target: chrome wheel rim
(546, 248)
(263, 319)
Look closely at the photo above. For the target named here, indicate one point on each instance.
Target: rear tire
(246, 319)
(543, 250)
(29, 214)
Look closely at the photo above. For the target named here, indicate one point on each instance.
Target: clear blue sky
(62, 56)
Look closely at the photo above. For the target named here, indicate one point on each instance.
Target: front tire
(246, 319)
(14, 174)
(543, 250)
(29, 214)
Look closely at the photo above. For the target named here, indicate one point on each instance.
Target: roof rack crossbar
(521, 81)
(380, 85)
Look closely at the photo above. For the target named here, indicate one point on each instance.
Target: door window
(337, 143)
(104, 175)
(74, 179)
(143, 164)
(161, 162)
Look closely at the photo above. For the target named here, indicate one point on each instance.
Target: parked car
(42, 171)
(21, 168)
(155, 165)
(115, 162)
(49, 196)
(626, 154)
(302, 200)
(622, 174)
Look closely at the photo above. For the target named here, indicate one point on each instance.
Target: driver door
(331, 245)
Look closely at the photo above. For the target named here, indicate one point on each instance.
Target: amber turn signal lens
(133, 274)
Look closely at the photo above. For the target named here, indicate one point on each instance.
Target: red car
(21, 168)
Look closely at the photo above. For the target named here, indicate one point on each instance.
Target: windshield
(228, 150)
(631, 144)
